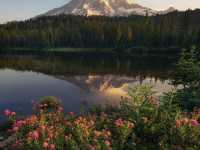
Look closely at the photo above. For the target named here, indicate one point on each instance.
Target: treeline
(176, 29)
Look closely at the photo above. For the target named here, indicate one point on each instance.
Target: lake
(79, 80)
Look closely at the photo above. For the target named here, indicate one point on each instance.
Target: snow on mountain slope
(104, 8)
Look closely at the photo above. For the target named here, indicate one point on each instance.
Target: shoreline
(171, 52)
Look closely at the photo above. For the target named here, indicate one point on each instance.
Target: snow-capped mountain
(104, 8)
(170, 9)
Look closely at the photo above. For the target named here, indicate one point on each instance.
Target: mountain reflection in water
(109, 89)
(76, 81)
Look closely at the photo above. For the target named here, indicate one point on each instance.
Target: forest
(176, 29)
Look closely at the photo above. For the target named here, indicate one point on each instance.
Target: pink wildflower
(15, 129)
(60, 109)
(43, 127)
(119, 123)
(13, 113)
(19, 123)
(52, 147)
(7, 112)
(71, 113)
(45, 145)
(35, 135)
(194, 122)
(107, 143)
(130, 125)
(178, 123)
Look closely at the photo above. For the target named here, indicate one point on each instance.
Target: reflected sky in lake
(18, 90)
(24, 80)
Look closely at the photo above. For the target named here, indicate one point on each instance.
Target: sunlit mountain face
(105, 8)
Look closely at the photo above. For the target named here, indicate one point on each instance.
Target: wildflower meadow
(140, 122)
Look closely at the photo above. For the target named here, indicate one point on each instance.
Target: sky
(23, 9)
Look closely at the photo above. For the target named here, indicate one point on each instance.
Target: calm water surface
(77, 80)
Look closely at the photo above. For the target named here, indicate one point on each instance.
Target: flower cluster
(9, 113)
(122, 123)
(33, 136)
(17, 125)
(193, 121)
(187, 122)
(130, 126)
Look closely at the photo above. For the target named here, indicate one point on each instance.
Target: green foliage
(141, 122)
(188, 69)
(154, 117)
(188, 75)
(171, 30)
(48, 103)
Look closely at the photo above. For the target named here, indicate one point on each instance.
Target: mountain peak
(104, 8)
(170, 9)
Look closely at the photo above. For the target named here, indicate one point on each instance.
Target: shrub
(187, 74)
(47, 104)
